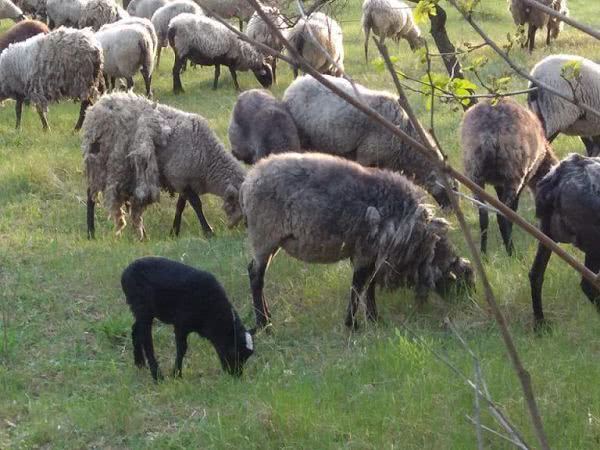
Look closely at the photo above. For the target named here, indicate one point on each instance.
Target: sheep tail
(146, 49)
(171, 36)
(144, 162)
(367, 29)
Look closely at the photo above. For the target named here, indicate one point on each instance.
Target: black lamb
(189, 299)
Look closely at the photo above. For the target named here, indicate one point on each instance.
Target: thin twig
(500, 435)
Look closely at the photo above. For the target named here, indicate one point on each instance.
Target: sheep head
(231, 206)
(264, 75)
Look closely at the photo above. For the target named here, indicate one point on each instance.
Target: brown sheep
(504, 145)
(22, 31)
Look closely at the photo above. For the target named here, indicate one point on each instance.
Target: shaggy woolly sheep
(536, 19)
(376, 218)
(390, 19)
(95, 13)
(132, 148)
(163, 16)
(260, 125)
(328, 124)
(140, 21)
(192, 301)
(8, 10)
(128, 48)
(504, 145)
(568, 206)
(65, 63)
(560, 116)
(310, 37)
(64, 13)
(205, 41)
(145, 8)
(259, 31)
(21, 32)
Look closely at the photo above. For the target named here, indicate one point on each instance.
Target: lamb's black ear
(252, 331)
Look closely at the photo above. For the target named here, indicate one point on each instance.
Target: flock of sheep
(327, 184)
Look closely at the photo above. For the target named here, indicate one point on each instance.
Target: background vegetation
(67, 378)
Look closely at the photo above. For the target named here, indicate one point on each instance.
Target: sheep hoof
(178, 91)
(542, 327)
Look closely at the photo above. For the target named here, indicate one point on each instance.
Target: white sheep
(128, 48)
(95, 13)
(65, 63)
(205, 41)
(163, 16)
(560, 116)
(261, 32)
(319, 40)
(64, 13)
(133, 148)
(390, 19)
(8, 10)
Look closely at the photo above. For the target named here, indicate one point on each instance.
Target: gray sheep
(163, 16)
(95, 13)
(65, 63)
(207, 42)
(145, 8)
(132, 148)
(261, 32)
(536, 19)
(390, 19)
(261, 125)
(8, 10)
(560, 116)
(568, 206)
(229, 9)
(328, 124)
(323, 209)
(64, 13)
(504, 145)
(312, 37)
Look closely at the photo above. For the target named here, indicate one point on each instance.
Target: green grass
(67, 378)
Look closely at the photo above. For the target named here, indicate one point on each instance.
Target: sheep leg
(592, 262)
(510, 199)
(119, 220)
(181, 344)
(138, 350)
(536, 281)
(592, 145)
(91, 229)
(217, 74)
(484, 222)
(137, 220)
(82, 110)
(159, 50)
(177, 66)
(360, 278)
(256, 273)
(372, 313)
(106, 82)
(43, 113)
(194, 200)
(295, 71)
(129, 83)
(145, 329)
(181, 201)
(19, 111)
(531, 37)
(274, 66)
(147, 81)
(548, 37)
(234, 78)
(367, 33)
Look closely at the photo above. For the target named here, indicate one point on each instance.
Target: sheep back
(145, 8)
(523, 14)
(95, 13)
(21, 32)
(64, 13)
(258, 30)
(126, 48)
(390, 18)
(162, 17)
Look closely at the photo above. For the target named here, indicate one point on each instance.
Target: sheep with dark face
(260, 125)
(133, 148)
(260, 31)
(376, 218)
(328, 124)
(568, 206)
(192, 301)
(504, 145)
(207, 42)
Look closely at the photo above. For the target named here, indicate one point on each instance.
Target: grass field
(67, 378)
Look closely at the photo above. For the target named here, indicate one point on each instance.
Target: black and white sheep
(390, 19)
(568, 206)
(133, 147)
(323, 209)
(207, 42)
(536, 19)
(555, 25)
(504, 145)
(8, 10)
(320, 41)
(65, 63)
(192, 301)
(163, 16)
(259, 31)
(560, 116)
(328, 124)
(95, 13)
(260, 125)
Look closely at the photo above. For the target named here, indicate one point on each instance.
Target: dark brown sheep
(22, 31)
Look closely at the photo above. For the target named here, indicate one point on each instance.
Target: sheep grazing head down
(264, 75)
(233, 357)
(231, 206)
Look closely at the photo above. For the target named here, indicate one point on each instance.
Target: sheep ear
(439, 226)
(373, 217)
(231, 193)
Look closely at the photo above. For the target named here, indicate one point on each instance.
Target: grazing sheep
(504, 145)
(260, 125)
(127, 49)
(192, 301)
(555, 26)
(310, 37)
(536, 19)
(390, 19)
(21, 32)
(145, 8)
(568, 206)
(560, 116)
(132, 148)
(261, 32)
(328, 124)
(65, 63)
(139, 21)
(207, 42)
(95, 13)
(163, 16)
(64, 13)
(8, 10)
(323, 209)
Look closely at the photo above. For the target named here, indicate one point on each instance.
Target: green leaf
(424, 9)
